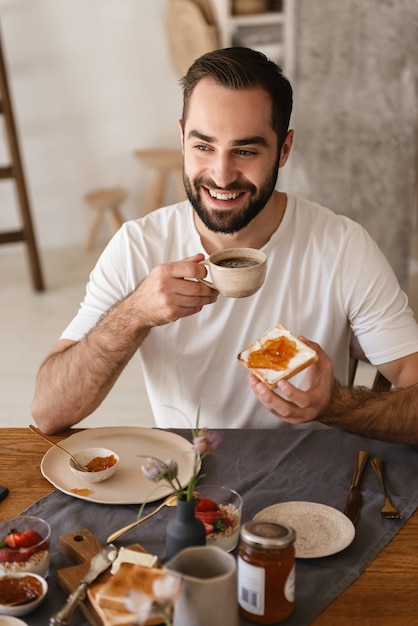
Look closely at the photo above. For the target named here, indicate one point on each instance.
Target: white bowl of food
(24, 545)
(101, 464)
(219, 508)
(21, 593)
(9, 620)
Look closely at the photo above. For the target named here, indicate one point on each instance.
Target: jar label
(251, 585)
(289, 588)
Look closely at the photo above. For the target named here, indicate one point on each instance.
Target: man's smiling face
(230, 155)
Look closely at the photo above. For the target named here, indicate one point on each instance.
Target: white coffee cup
(210, 587)
(236, 272)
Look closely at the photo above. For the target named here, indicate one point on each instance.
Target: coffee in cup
(236, 272)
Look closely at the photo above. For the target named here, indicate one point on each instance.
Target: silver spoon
(79, 466)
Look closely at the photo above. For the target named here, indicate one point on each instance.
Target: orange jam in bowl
(100, 463)
(21, 593)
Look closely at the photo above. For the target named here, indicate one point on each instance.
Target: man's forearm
(388, 415)
(73, 382)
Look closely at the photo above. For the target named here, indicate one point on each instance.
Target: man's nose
(223, 171)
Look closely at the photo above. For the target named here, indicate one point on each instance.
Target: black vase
(185, 529)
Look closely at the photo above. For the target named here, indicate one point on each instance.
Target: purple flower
(141, 605)
(206, 442)
(166, 591)
(155, 470)
(172, 470)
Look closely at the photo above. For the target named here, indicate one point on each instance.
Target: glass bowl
(86, 456)
(24, 542)
(222, 521)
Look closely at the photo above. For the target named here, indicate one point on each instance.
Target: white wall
(91, 81)
(355, 115)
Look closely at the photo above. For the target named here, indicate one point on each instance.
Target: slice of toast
(109, 598)
(281, 354)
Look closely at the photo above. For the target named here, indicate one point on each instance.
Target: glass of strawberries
(24, 545)
(219, 508)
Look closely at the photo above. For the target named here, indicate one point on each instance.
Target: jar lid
(267, 534)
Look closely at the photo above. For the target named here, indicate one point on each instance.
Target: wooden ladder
(15, 171)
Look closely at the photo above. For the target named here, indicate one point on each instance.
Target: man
(143, 293)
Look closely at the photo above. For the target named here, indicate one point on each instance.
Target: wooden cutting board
(80, 547)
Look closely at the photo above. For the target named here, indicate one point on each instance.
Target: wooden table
(385, 593)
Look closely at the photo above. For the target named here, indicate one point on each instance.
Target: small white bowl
(27, 607)
(8, 620)
(85, 456)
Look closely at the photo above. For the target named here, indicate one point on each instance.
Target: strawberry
(25, 539)
(205, 504)
(208, 528)
(221, 523)
(208, 517)
(8, 555)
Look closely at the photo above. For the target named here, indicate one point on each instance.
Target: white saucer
(321, 530)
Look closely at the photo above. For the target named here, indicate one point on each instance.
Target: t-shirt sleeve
(111, 280)
(378, 309)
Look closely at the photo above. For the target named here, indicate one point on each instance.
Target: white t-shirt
(325, 277)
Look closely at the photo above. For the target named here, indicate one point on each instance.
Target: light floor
(31, 322)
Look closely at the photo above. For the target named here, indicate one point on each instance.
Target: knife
(99, 563)
(353, 504)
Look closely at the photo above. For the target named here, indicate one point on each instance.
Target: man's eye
(202, 148)
(243, 152)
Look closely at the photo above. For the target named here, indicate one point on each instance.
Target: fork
(388, 510)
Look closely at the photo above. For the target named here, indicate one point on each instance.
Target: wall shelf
(270, 32)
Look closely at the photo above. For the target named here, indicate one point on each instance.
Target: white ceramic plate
(320, 530)
(128, 485)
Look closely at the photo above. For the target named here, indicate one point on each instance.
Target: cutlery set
(354, 499)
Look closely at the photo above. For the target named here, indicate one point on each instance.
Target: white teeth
(223, 196)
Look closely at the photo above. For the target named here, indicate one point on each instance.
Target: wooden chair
(380, 383)
(106, 203)
(162, 163)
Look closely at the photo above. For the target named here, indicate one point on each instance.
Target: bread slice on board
(109, 598)
(290, 353)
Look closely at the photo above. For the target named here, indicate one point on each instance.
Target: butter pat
(126, 555)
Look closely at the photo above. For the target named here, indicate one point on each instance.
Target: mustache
(235, 186)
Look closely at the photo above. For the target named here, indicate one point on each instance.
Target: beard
(225, 220)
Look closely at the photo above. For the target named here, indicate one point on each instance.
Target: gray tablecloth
(274, 466)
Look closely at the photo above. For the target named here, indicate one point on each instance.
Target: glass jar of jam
(266, 572)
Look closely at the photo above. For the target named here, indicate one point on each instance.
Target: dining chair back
(380, 382)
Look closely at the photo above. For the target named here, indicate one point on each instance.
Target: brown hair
(243, 68)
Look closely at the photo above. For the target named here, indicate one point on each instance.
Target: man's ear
(286, 148)
(180, 125)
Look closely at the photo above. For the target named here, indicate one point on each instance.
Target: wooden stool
(162, 164)
(106, 203)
